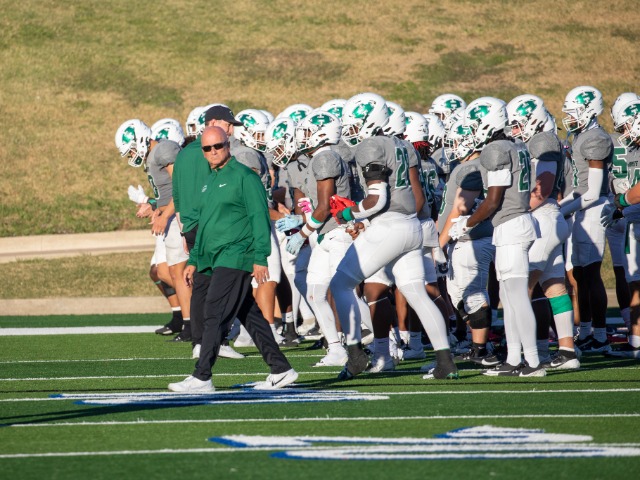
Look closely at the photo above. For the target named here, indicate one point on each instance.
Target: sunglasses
(216, 146)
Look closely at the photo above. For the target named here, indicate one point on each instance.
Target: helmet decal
(363, 110)
(479, 112)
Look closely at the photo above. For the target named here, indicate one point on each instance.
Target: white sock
(585, 330)
(381, 347)
(625, 313)
(288, 317)
(600, 334)
(634, 341)
(404, 335)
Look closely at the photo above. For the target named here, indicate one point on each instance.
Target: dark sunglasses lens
(217, 146)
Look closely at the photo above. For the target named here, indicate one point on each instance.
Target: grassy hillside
(73, 71)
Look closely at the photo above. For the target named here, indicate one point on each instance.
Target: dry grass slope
(73, 72)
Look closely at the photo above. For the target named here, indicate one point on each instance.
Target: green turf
(33, 368)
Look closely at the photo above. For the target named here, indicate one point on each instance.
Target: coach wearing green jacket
(232, 245)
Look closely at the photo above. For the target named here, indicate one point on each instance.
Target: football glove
(137, 195)
(459, 227)
(440, 260)
(295, 242)
(306, 205)
(288, 222)
(338, 205)
(620, 200)
(620, 185)
(609, 215)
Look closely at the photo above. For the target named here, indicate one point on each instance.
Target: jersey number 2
(402, 170)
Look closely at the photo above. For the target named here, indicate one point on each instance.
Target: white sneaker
(277, 337)
(276, 381)
(196, 351)
(427, 367)
(381, 364)
(243, 341)
(307, 325)
(227, 352)
(335, 357)
(192, 385)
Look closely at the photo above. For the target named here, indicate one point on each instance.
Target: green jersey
(190, 173)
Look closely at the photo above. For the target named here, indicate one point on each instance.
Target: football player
(528, 121)
(504, 166)
(591, 153)
(394, 238)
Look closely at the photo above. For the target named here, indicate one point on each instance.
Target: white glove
(288, 222)
(609, 215)
(620, 185)
(459, 227)
(440, 259)
(295, 242)
(137, 195)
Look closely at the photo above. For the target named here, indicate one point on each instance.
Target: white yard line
(163, 451)
(11, 332)
(145, 359)
(328, 419)
(168, 375)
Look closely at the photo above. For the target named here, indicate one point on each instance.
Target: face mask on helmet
(252, 131)
(318, 129)
(436, 132)
(444, 106)
(527, 116)
(364, 115)
(132, 140)
(582, 105)
(280, 140)
(458, 142)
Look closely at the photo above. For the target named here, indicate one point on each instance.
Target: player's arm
(594, 184)
(462, 205)
(416, 188)
(322, 211)
(544, 185)
(492, 201)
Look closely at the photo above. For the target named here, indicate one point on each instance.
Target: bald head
(215, 140)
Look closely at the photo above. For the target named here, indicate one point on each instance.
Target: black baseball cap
(221, 112)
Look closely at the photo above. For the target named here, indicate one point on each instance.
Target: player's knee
(475, 301)
(167, 289)
(554, 289)
(481, 318)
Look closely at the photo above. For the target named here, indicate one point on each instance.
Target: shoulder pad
(545, 146)
(371, 150)
(497, 155)
(326, 164)
(167, 151)
(596, 145)
(468, 177)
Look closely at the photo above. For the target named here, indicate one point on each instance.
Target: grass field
(96, 406)
(73, 72)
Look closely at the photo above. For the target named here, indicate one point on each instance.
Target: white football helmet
(195, 120)
(485, 116)
(582, 104)
(281, 140)
(296, 112)
(416, 127)
(364, 115)
(446, 105)
(168, 129)
(436, 131)
(132, 140)
(625, 113)
(527, 116)
(253, 129)
(458, 142)
(334, 106)
(317, 129)
(269, 115)
(396, 124)
(550, 124)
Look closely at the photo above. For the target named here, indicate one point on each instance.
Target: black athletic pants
(229, 296)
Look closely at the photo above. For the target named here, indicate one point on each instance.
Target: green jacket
(234, 229)
(190, 173)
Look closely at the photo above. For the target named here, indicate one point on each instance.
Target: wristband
(347, 215)
(623, 200)
(307, 230)
(313, 223)
(154, 203)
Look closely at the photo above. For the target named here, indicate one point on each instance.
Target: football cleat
(195, 353)
(526, 371)
(335, 357)
(563, 360)
(503, 370)
(168, 329)
(227, 352)
(591, 345)
(357, 362)
(625, 351)
(381, 364)
(444, 368)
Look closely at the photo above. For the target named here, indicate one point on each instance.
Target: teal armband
(153, 202)
(347, 215)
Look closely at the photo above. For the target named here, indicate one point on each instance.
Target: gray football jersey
(347, 154)
(160, 157)
(467, 177)
(512, 156)
(327, 164)
(429, 180)
(592, 144)
(392, 153)
(255, 161)
(546, 147)
(631, 156)
(618, 166)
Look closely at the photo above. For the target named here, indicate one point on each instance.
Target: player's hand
(620, 201)
(295, 242)
(187, 275)
(609, 215)
(289, 222)
(283, 209)
(144, 210)
(354, 229)
(158, 223)
(459, 227)
(260, 273)
(137, 195)
(306, 205)
(440, 259)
